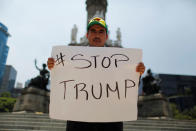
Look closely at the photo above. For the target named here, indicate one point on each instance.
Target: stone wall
(153, 106)
(33, 100)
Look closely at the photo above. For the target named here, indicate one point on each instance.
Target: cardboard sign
(94, 84)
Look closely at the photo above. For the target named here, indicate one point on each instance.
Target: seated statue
(150, 84)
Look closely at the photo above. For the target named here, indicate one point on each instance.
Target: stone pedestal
(33, 100)
(155, 105)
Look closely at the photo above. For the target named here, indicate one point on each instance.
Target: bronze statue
(150, 84)
(41, 80)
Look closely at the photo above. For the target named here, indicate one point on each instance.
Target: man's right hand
(50, 63)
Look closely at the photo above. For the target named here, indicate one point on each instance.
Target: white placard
(94, 84)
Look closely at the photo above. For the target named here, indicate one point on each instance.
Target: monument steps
(25, 114)
(29, 123)
(20, 130)
(42, 122)
(29, 127)
(126, 124)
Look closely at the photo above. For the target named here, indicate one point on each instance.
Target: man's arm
(140, 68)
(37, 66)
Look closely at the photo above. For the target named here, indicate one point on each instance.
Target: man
(97, 34)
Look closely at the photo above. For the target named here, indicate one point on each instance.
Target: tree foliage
(188, 114)
(5, 94)
(6, 102)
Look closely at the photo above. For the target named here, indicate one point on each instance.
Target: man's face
(97, 36)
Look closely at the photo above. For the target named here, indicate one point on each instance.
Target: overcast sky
(164, 29)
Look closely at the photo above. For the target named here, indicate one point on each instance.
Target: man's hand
(140, 68)
(50, 63)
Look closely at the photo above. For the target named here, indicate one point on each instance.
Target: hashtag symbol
(59, 59)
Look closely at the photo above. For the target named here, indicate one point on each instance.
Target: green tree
(188, 114)
(5, 94)
(6, 102)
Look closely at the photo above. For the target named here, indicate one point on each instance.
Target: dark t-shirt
(86, 126)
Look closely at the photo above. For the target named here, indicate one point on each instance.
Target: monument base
(155, 105)
(33, 100)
